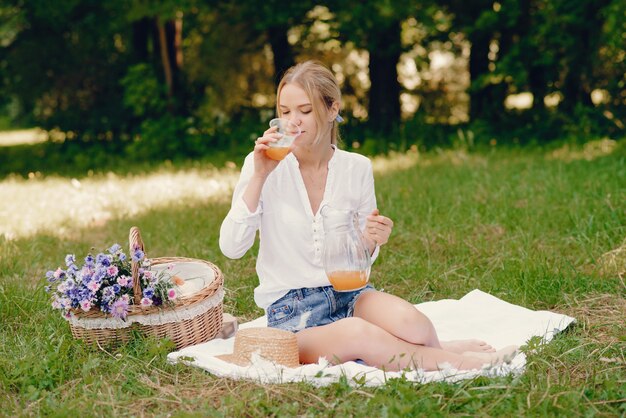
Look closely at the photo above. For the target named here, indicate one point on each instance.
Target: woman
(282, 199)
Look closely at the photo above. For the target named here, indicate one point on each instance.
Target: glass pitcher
(346, 257)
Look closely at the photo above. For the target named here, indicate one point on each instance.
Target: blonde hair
(321, 86)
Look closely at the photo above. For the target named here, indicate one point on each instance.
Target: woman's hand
(377, 229)
(263, 165)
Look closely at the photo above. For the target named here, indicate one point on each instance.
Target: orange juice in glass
(288, 131)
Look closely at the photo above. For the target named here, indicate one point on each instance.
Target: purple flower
(50, 276)
(89, 261)
(117, 288)
(108, 293)
(119, 308)
(104, 306)
(86, 273)
(103, 260)
(65, 303)
(100, 273)
(114, 248)
(148, 292)
(122, 256)
(138, 255)
(70, 259)
(75, 294)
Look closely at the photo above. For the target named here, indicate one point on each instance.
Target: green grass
(519, 224)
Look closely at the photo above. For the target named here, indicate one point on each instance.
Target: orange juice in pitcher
(346, 257)
(348, 280)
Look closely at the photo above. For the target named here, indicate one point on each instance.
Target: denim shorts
(312, 307)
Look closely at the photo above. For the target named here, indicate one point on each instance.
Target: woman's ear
(333, 111)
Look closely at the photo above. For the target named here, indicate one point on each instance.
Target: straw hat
(276, 345)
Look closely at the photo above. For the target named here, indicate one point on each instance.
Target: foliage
(62, 64)
(100, 72)
(144, 95)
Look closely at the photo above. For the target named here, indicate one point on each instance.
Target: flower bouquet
(105, 282)
(106, 296)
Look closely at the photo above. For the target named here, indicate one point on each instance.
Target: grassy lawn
(544, 229)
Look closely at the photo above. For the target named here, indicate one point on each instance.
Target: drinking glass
(289, 131)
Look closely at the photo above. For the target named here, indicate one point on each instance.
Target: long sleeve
(238, 229)
(368, 201)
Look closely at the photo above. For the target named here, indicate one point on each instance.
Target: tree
(376, 27)
(582, 21)
(477, 19)
(157, 32)
(63, 63)
(272, 20)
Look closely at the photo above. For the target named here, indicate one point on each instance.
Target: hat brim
(234, 359)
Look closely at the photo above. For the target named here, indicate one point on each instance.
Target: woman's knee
(394, 314)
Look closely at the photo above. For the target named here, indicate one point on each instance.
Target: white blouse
(291, 235)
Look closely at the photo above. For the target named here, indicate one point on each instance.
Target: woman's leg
(354, 338)
(400, 318)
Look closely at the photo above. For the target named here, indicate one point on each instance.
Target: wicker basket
(192, 324)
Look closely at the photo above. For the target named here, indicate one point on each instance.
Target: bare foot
(463, 346)
(504, 355)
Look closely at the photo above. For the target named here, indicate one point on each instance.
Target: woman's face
(296, 106)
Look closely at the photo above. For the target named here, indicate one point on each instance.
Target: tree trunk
(536, 75)
(140, 39)
(478, 66)
(384, 95)
(173, 38)
(496, 93)
(577, 85)
(165, 57)
(283, 54)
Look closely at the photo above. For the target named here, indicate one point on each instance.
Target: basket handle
(136, 243)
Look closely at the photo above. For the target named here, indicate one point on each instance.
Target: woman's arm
(240, 225)
(238, 229)
(376, 228)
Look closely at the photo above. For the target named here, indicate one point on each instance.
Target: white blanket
(475, 315)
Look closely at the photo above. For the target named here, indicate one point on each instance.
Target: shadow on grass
(79, 159)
